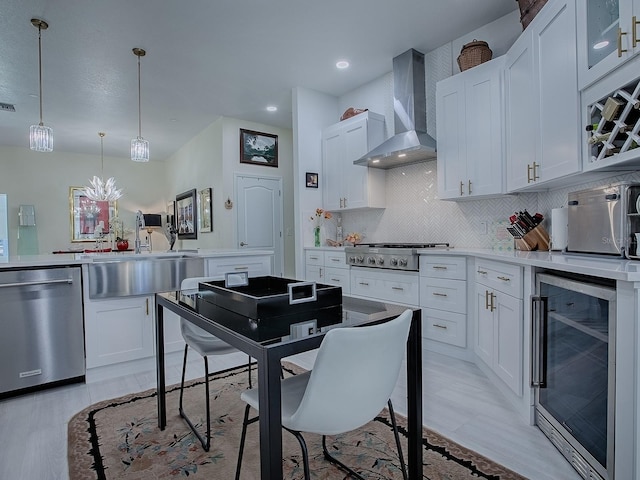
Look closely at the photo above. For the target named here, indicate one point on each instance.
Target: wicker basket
(474, 53)
(528, 10)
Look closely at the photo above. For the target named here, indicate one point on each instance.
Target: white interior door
(259, 222)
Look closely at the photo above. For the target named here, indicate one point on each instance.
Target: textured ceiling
(205, 59)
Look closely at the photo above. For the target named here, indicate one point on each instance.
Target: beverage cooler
(573, 369)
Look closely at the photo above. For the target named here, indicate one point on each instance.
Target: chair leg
(305, 453)
(395, 434)
(245, 423)
(205, 443)
(335, 461)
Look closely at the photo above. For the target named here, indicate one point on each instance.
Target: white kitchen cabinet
(469, 119)
(256, 265)
(328, 267)
(443, 299)
(499, 332)
(612, 26)
(542, 124)
(347, 186)
(119, 330)
(386, 285)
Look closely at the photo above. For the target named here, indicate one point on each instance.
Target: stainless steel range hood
(411, 142)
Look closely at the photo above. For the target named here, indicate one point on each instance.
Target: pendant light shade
(139, 146)
(100, 191)
(40, 136)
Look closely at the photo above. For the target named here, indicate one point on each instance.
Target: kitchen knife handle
(539, 321)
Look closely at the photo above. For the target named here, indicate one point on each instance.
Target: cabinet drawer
(446, 327)
(443, 266)
(338, 277)
(256, 266)
(449, 295)
(397, 287)
(314, 257)
(335, 260)
(502, 277)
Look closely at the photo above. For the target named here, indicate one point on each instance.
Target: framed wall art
(205, 213)
(258, 148)
(312, 180)
(186, 216)
(86, 214)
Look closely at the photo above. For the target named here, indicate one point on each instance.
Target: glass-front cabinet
(608, 35)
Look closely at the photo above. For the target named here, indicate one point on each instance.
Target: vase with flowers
(318, 219)
(353, 238)
(116, 226)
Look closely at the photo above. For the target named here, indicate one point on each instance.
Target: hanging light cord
(40, 67)
(101, 154)
(139, 103)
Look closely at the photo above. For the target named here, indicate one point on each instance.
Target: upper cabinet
(347, 186)
(542, 121)
(608, 33)
(469, 119)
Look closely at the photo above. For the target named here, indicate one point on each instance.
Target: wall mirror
(86, 214)
(205, 217)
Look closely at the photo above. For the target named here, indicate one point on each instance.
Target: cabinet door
(600, 49)
(483, 129)
(332, 155)
(314, 273)
(452, 153)
(119, 330)
(256, 265)
(508, 339)
(339, 277)
(559, 108)
(484, 334)
(355, 176)
(521, 113)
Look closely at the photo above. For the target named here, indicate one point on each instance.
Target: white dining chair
(205, 344)
(355, 372)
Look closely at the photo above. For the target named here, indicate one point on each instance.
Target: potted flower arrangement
(116, 225)
(318, 219)
(354, 238)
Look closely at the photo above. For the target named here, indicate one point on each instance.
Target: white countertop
(614, 268)
(18, 261)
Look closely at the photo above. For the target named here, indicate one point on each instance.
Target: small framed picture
(312, 180)
(258, 148)
(186, 216)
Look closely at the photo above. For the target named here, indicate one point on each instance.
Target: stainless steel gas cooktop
(395, 256)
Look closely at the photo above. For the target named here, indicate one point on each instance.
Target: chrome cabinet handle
(336, 280)
(486, 299)
(364, 283)
(241, 268)
(444, 327)
(242, 244)
(438, 294)
(482, 272)
(147, 301)
(313, 258)
(439, 267)
(506, 279)
(620, 49)
(634, 31)
(37, 282)
(489, 297)
(335, 259)
(397, 288)
(461, 186)
(469, 188)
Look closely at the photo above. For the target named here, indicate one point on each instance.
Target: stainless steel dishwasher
(42, 339)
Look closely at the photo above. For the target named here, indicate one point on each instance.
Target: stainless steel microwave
(604, 220)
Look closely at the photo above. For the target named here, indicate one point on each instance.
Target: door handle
(539, 319)
(469, 188)
(620, 49)
(634, 31)
(461, 186)
(242, 244)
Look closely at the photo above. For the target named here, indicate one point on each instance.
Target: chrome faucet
(139, 224)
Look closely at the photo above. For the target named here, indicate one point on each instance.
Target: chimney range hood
(411, 142)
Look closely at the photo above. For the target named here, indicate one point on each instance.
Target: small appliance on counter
(604, 220)
(559, 228)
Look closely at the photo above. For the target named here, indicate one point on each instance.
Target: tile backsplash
(415, 214)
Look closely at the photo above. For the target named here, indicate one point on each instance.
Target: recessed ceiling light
(342, 64)
(601, 44)
(272, 108)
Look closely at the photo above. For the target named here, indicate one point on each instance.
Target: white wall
(43, 180)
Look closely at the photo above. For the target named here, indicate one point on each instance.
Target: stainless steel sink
(142, 274)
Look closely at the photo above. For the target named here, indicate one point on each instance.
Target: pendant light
(40, 136)
(100, 191)
(139, 146)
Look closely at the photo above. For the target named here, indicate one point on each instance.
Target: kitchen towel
(559, 228)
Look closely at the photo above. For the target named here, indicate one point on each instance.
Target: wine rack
(615, 123)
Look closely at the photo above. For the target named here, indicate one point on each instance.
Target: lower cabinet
(384, 285)
(328, 267)
(256, 265)
(119, 330)
(499, 321)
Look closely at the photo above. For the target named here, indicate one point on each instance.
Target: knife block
(535, 239)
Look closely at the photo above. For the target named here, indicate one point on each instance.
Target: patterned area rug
(119, 439)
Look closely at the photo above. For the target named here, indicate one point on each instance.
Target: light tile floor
(459, 402)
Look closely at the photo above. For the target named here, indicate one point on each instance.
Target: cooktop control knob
(394, 262)
(380, 261)
(360, 259)
(371, 261)
(403, 262)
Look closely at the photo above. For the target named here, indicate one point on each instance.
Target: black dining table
(269, 342)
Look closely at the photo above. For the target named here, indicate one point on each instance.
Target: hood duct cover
(411, 142)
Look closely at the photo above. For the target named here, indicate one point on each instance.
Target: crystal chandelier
(100, 191)
(139, 146)
(40, 136)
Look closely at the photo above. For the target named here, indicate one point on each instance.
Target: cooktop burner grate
(402, 245)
